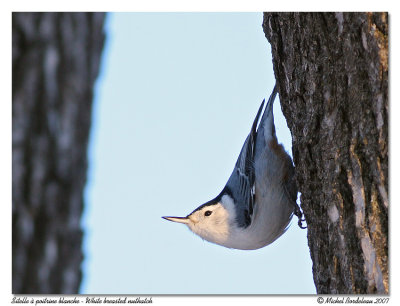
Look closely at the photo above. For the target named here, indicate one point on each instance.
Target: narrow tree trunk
(55, 61)
(332, 74)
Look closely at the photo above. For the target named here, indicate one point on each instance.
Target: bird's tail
(267, 120)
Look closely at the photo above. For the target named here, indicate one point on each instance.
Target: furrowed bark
(332, 75)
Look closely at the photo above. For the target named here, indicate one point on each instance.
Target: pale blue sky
(174, 103)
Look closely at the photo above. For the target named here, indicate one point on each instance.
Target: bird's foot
(299, 214)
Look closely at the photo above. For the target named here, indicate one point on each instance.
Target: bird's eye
(207, 213)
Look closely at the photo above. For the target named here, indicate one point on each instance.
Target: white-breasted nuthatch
(257, 203)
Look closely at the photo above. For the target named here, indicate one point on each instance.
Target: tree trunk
(332, 75)
(55, 61)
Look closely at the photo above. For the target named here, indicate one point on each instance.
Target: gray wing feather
(242, 181)
(243, 175)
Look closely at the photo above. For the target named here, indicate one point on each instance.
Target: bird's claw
(300, 223)
(299, 214)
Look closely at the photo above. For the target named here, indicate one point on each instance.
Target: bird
(259, 200)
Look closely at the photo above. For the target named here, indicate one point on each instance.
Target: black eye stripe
(207, 213)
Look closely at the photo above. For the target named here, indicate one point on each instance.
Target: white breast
(270, 220)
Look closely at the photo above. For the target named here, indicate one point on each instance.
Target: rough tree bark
(332, 74)
(55, 61)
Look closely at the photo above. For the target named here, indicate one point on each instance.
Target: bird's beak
(184, 220)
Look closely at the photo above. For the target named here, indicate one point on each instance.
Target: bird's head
(213, 221)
